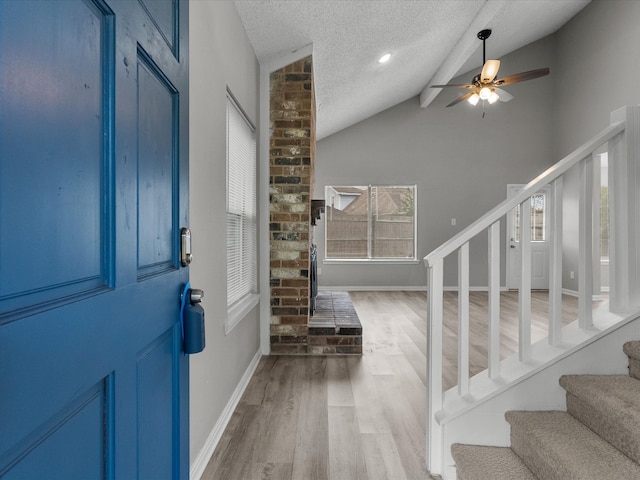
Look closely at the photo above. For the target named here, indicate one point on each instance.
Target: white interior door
(540, 203)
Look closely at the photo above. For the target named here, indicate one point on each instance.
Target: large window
(242, 265)
(370, 223)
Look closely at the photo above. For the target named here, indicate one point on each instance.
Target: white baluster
(555, 264)
(493, 348)
(463, 319)
(524, 295)
(585, 254)
(434, 366)
(624, 205)
(596, 249)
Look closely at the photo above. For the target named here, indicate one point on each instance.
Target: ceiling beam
(461, 52)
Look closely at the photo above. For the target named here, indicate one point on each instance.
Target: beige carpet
(598, 438)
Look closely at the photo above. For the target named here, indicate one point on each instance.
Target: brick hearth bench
(335, 327)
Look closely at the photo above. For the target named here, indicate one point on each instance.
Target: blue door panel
(155, 391)
(164, 14)
(93, 192)
(52, 359)
(51, 93)
(157, 162)
(78, 431)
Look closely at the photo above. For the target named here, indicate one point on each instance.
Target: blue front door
(93, 192)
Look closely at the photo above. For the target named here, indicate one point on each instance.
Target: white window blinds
(241, 205)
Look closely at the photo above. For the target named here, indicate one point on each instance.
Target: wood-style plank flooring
(358, 418)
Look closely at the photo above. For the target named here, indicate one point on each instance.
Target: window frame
(247, 213)
(370, 259)
(515, 234)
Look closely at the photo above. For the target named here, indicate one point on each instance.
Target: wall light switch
(571, 274)
(319, 271)
(453, 221)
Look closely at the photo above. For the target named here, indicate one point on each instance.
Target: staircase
(598, 437)
(473, 412)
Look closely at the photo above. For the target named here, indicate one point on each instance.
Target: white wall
(460, 161)
(220, 56)
(598, 73)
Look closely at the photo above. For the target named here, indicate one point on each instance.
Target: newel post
(624, 198)
(435, 306)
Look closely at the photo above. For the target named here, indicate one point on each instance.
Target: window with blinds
(242, 270)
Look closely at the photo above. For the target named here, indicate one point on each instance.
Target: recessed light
(385, 58)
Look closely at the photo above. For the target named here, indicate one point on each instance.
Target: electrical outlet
(572, 274)
(319, 271)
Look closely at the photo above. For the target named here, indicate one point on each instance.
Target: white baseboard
(360, 288)
(201, 461)
(595, 298)
(571, 293)
(473, 289)
(412, 288)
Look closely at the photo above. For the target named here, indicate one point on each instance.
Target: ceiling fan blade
(460, 99)
(521, 77)
(489, 71)
(458, 85)
(504, 96)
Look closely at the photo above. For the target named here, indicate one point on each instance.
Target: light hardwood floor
(357, 418)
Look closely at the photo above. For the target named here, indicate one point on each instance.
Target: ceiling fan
(485, 86)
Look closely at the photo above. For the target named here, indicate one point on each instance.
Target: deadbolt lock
(185, 247)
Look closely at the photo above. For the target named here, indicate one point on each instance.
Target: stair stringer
(479, 418)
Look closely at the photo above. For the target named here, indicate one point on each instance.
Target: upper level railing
(623, 157)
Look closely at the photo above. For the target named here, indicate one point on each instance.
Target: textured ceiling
(431, 41)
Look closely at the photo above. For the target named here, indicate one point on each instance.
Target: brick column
(291, 162)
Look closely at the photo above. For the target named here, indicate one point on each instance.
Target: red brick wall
(291, 162)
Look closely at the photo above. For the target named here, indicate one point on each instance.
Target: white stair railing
(620, 145)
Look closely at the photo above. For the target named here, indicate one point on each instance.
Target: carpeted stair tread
(632, 349)
(609, 405)
(479, 462)
(556, 446)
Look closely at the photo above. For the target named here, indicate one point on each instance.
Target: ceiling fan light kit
(485, 93)
(484, 86)
(474, 99)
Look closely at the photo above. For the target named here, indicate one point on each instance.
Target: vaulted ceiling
(430, 42)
